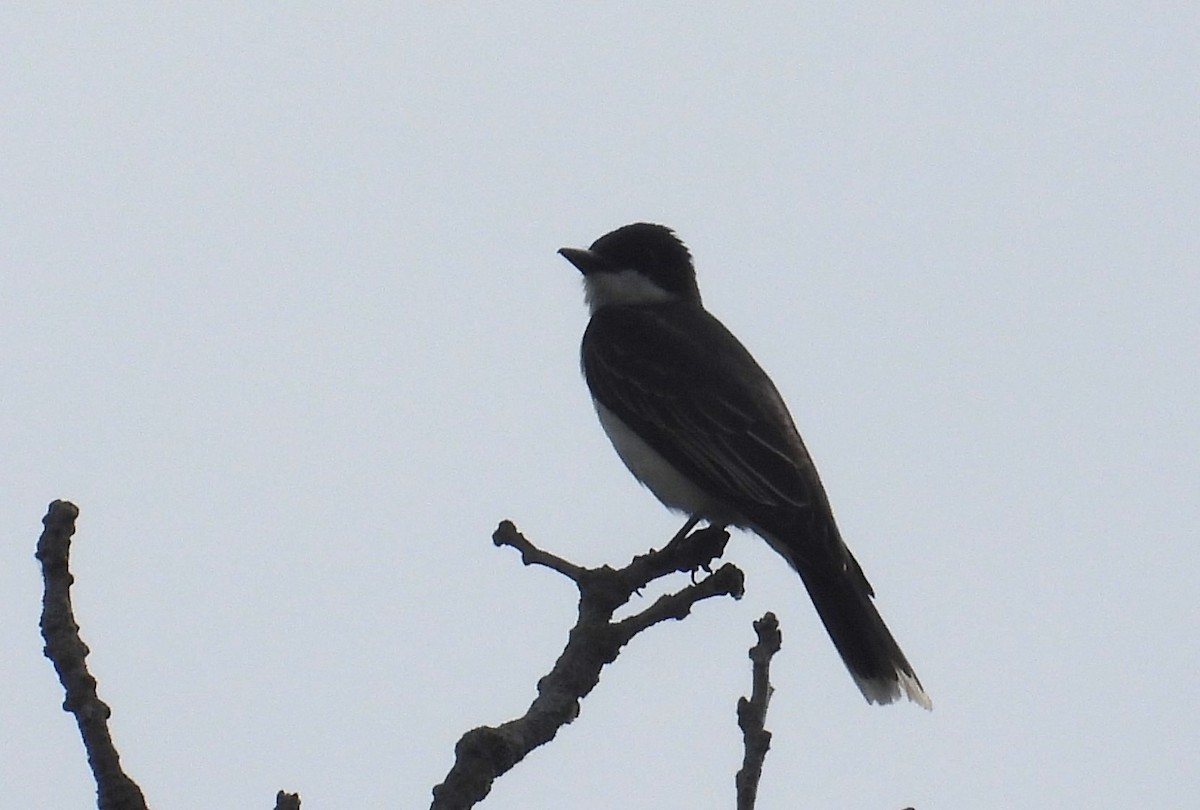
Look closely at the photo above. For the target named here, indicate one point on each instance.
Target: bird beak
(585, 261)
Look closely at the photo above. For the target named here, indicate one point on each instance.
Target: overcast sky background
(282, 314)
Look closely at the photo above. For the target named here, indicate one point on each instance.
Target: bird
(699, 423)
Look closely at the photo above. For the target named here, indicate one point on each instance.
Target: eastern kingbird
(699, 423)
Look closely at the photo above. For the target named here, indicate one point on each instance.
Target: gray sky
(282, 313)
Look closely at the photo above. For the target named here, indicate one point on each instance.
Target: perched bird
(699, 423)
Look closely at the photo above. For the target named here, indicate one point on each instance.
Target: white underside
(674, 489)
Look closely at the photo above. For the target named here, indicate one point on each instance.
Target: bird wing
(690, 390)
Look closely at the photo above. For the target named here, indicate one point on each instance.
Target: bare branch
(752, 712)
(727, 581)
(485, 753)
(66, 650)
(506, 534)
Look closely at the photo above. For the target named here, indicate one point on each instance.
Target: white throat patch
(622, 287)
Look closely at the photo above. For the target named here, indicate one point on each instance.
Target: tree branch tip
(62, 509)
(287, 801)
(770, 637)
(54, 546)
(506, 534)
(731, 579)
(752, 711)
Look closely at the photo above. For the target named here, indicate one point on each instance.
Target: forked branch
(487, 752)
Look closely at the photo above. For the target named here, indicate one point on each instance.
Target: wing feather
(684, 384)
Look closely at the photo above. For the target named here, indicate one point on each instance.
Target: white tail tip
(886, 690)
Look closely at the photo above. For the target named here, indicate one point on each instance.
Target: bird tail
(875, 661)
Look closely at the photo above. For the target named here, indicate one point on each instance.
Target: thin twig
(726, 581)
(66, 650)
(506, 534)
(752, 712)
